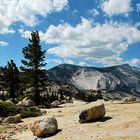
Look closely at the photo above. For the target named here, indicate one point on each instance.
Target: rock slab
(129, 99)
(12, 119)
(93, 113)
(45, 126)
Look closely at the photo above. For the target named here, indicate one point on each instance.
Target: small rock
(63, 102)
(20, 103)
(55, 104)
(26, 102)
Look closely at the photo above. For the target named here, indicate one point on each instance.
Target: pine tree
(11, 78)
(32, 68)
(61, 97)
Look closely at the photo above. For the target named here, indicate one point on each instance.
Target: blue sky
(83, 32)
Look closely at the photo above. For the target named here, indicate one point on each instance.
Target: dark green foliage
(53, 97)
(26, 112)
(47, 104)
(47, 99)
(7, 109)
(61, 97)
(10, 109)
(99, 94)
(2, 97)
(89, 95)
(20, 97)
(70, 98)
(11, 79)
(33, 74)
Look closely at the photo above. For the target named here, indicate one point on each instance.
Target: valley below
(121, 122)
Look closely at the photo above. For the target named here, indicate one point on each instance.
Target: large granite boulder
(91, 114)
(44, 127)
(12, 119)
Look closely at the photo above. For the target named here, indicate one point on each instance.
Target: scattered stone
(96, 112)
(12, 119)
(55, 104)
(44, 127)
(20, 103)
(71, 101)
(129, 99)
(26, 102)
(63, 102)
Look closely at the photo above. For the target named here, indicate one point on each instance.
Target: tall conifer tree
(11, 78)
(32, 68)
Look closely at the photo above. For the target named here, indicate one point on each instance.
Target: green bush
(20, 97)
(26, 112)
(47, 104)
(7, 108)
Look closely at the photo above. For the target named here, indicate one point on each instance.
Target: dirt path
(122, 122)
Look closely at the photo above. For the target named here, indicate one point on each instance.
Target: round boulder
(44, 127)
(55, 104)
(96, 112)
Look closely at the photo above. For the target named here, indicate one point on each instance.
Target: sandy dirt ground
(121, 122)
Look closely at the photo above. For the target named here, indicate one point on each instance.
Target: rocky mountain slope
(121, 78)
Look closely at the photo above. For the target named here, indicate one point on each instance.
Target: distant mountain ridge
(122, 78)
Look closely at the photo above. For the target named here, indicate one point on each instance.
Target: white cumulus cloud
(26, 11)
(90, 42)
(115, 7)
(101, 43)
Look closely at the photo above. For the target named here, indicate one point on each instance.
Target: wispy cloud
(3, 43)
(93, 12)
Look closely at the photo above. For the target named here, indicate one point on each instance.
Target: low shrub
(47, 104)
(7, 108)
(26, 112)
